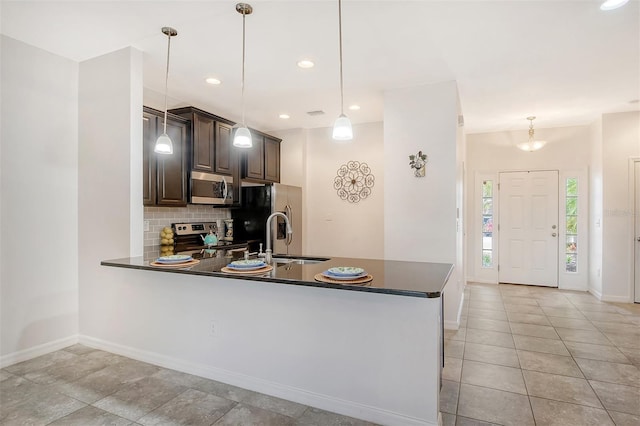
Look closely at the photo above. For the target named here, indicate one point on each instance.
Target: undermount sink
(298, 260)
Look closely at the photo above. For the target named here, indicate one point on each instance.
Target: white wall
(336, 227)
(620, 141)
(109, 102)
(39, 189)
(595, 210)
(567, 150)
(420, 213)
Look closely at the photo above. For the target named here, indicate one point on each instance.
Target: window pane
(572, 224)
(572, 247)
(571, 265)
(487, 188)
(487, 206)
(487, 224)
(572, 187)
(572, 205)
(487, 258)
(487, 241)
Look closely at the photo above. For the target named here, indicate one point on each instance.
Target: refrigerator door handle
(289, 212)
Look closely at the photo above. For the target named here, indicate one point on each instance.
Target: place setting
(344, 275)
(247, 267)
(175, 261)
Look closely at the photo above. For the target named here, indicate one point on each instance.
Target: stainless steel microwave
(208, 188)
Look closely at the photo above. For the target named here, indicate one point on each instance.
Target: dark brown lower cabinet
(164, 175)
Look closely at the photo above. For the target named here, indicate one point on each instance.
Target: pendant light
(531, 145)
(163, 143)
(242, 137)
(342, 130)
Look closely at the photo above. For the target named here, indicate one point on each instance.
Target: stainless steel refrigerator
(258, 202)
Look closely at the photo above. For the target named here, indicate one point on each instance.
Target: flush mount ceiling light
(613, 4)
(163, 143)
(284, 116)
(305, 63)
(213, 80)
(532, 144)
(342, 130)
(242, 137)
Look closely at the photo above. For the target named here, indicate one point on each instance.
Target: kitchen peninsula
(370, 351)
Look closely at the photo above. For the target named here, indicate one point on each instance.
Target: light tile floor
(529, 355)
(81, 386)
(523, 356)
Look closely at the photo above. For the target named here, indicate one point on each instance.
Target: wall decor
(418, 162)
(354, 181)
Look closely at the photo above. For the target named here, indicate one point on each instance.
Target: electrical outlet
(146, 225)
(213, 328)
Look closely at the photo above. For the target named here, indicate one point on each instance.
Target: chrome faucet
(289, 231)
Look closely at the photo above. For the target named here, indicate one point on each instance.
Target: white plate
(246, 268)
(345, 271)
(250, 263)
(174, 258)
(344, 278)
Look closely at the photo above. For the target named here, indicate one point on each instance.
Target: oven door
(207, 188)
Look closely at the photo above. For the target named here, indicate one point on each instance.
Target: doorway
(528, 228)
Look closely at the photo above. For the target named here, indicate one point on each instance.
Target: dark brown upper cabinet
(164, 175)
(210, 147)
(261, 162)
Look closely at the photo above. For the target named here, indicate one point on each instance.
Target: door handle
(289, 214)
(554, 234)
(638, 239)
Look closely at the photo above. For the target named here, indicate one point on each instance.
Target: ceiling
(565, 62)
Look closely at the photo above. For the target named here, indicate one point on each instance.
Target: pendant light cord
(244, 15)
(166, 83)
(340, 37)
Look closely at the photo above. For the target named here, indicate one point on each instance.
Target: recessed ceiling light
(305, 63)
(212, 80)
(284, 116)
(354, 107)
(613, 4)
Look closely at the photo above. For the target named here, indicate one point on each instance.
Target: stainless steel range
(189, 239)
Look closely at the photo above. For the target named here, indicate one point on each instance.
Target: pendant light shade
(532, 144)
(163, 143)
(242, 137)
(342, 130)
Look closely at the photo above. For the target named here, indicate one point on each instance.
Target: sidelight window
(571, 223)
(487, 223)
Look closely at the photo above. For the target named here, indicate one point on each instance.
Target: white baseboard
(480, 281)
(617, 299)
(577, 288)
(596, 293)
(35, 351)
(324, 402)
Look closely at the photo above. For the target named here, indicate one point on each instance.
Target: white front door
(637, 231)
(528, 228)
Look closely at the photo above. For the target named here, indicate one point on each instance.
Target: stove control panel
(194, 228)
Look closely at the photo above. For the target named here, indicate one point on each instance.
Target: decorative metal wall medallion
(354, 181)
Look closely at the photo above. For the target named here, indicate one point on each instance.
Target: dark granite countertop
(415, 279)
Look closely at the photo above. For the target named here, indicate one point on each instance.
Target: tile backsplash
(159, 217)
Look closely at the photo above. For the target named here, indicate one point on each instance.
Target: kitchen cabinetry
(211, 145)
(261, 162)
(164, 176)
